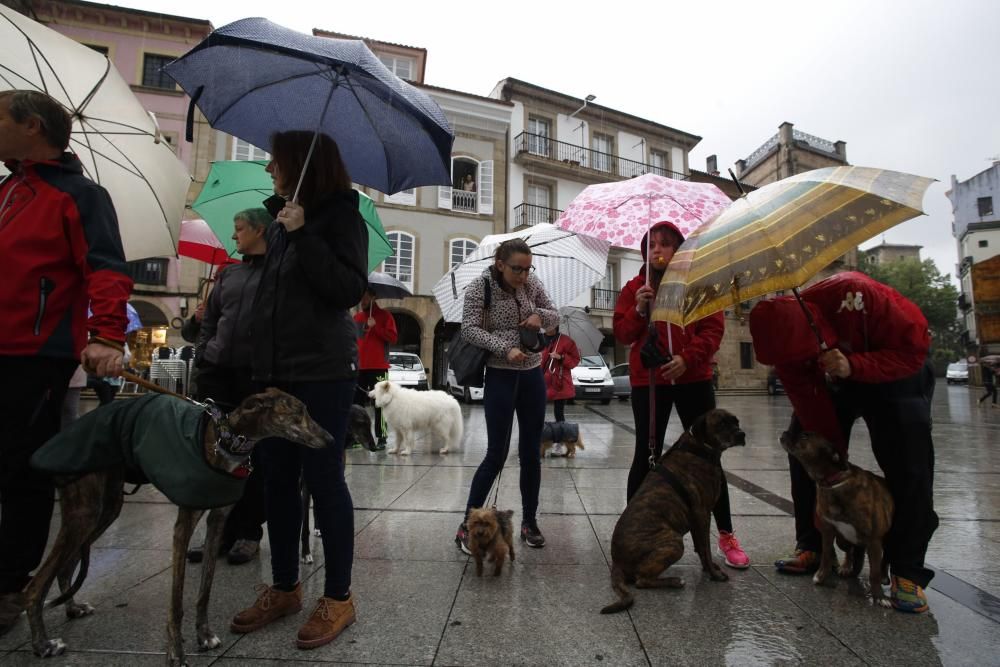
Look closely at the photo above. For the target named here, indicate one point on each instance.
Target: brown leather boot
(271, 605)
(330, 618)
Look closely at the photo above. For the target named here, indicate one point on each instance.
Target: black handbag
(468, 361)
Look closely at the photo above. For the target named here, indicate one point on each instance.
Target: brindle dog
(676, 497)
(855, 510)
(91, 502)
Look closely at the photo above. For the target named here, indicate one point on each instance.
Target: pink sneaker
(730, 547)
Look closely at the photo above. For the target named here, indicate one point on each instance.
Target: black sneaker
(531, 536)
(462, 539)
(380, 445)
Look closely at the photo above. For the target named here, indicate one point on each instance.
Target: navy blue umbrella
(253, 78)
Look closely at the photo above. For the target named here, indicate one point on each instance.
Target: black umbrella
(386, 286)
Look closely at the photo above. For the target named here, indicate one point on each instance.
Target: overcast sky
(910, 85)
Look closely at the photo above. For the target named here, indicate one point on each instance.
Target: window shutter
(444, 197)
(486, 187)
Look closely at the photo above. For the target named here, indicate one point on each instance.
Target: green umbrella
(236, 185)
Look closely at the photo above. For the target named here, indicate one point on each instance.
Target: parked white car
(468, 394)
(958, 373)
(592, 379)
(407, 370)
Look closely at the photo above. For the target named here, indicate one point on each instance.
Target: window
(608, 281)
(985, 206)
(401, 66)
(658, 162)
(603, 146)
(148, 271)
(746, 355)
(984, 243)
(153, 75)
(460, 249)
(404, 197)
(103, 50)
(539, 132)
(538, 195)
(400, 265)
(246, 151)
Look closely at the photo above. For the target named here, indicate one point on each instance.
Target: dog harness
(158, 439)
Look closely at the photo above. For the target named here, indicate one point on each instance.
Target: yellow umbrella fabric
(777, 237)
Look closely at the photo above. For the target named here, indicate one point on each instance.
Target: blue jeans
(508, 392)
(329, 404)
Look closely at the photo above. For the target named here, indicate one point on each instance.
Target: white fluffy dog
(408, 412)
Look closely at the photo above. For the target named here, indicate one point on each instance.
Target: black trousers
(367, 379)
(31, 399)
(228, 387)
(898, 416)
(692, 401)
(559, 408)
(991, 390)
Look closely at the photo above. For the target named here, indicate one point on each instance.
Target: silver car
(623, 383)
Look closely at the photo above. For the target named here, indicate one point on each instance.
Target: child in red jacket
(685, 380)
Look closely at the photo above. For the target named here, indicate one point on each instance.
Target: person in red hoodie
(873, 365)
(376, 329)
(61, 250)
(559, 358)
(685, 380)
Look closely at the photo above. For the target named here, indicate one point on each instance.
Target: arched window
(459, 249)
(400, 265)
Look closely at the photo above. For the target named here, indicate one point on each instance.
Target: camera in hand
(531, 340)
(650, 353)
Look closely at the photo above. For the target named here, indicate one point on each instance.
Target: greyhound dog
(91, 495)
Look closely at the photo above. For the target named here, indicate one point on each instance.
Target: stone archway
(409, 333)
(149, 314)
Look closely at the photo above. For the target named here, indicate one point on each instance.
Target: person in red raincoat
(874, 367)
(558, 359)
(684, 381)
(376, 330)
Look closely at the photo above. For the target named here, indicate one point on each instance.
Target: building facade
(887, 253)
(976, 228)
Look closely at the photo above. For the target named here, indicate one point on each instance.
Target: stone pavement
(420, 603)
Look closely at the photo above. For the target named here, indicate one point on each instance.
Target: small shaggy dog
(491, 533)
(566, 433)
(408, 412)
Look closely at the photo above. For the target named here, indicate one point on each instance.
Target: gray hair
(56, 122)
(257, 218)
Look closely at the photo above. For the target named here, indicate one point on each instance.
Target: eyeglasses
(518, 270)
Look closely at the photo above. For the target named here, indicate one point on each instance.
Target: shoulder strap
(487, 292)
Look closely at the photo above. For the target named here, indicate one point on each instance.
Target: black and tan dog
(676, 497)
(127, 442)
(359, 430)
(854, 508)
(566, 433)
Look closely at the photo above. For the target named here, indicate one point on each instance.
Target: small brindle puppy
(91, 501)
(676, 497)
(855, 510)
(491, 534)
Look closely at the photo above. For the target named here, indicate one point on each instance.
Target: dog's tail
(78, 582)
(457, 428)
(625, 598)
(579, 442)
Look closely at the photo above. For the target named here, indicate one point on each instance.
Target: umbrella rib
(374, 127)
(262, 86)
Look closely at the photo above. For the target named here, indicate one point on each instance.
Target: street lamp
(586, 100)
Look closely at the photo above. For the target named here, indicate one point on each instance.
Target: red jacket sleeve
(628, 325)
(704, 341)
(805, 386)
(570, 353)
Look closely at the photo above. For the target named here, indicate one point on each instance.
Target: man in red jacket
(376, 329)
(61, 250)
(873, 366)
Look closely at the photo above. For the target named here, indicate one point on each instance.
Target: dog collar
(229, 442)
(836, 479)
(702, 452)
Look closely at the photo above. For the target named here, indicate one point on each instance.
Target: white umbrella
(568, 264)
(113, 135)
(575, 323)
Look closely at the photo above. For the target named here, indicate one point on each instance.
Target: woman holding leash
(304, 339)
(519, 310)
(682, 372)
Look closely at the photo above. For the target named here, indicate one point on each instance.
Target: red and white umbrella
(199, 242)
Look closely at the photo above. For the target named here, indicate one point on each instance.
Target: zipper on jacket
(45, 287)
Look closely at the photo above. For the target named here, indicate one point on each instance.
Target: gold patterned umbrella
(779, 236)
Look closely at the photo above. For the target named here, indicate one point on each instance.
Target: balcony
(466, 202)
(528, 215)
(599, 167)
(603, 299)
(963, 302)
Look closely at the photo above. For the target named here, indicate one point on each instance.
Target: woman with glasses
(509, 329)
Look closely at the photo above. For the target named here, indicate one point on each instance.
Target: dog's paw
(846, 571)
(717, 574)
(405, 452)
(307, 559)
(209, 642)
(820, 577)
(392, 450)
(317, 532)
(50, 648)
(443, 450)
(79, 610)
(883, 602)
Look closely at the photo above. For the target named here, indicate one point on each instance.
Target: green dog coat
(157, 438)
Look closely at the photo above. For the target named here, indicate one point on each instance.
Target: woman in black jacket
(304, 343)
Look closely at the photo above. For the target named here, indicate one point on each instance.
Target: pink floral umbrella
(621, 212)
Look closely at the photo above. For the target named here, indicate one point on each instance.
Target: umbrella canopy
(236, 185)
(115, 138)
(568, 265)
(575, 323)
(253, 78)
(779, 236)
(621, 212)
(991, 360)
(386, 286)
(199, 242)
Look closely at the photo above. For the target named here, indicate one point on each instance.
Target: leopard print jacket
(506, 310)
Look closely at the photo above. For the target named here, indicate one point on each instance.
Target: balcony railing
(603, 299)
(462, 200)
(571, 154)
(527, 215)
